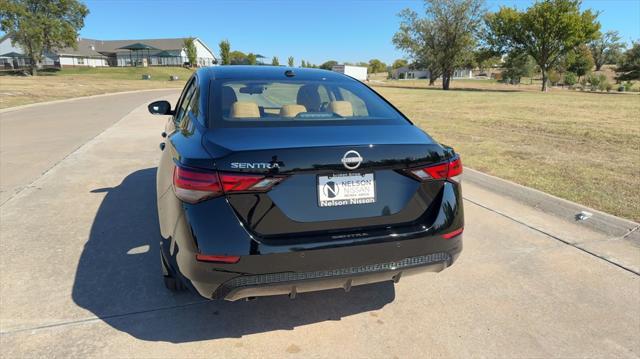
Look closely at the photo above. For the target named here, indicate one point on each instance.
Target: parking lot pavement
(35, 138)
(81, 277)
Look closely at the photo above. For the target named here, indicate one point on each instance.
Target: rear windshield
(289, 103)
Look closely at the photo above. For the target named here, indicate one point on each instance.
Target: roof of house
(118, 45)
(85, 49)
(138, 46)
(12, 54)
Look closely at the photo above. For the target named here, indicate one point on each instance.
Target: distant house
(101, 53)
(156, 52)
(357, 72)
(406, 72)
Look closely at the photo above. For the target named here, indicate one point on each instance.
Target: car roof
(259, 72)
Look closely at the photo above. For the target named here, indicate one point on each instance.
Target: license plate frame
(351, 188)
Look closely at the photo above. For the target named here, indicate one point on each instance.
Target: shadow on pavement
(118, 279)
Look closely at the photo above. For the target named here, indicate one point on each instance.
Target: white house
(101, 53)
(155, 52)
(13, 57)
(406, 72)
(357, 72)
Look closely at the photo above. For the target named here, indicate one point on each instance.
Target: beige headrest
(342, 108)
(244, 109)
(291, 110)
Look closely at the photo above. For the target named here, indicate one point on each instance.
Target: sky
(316, 31)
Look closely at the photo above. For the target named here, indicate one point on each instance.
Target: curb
(562, 208)
(21, 107)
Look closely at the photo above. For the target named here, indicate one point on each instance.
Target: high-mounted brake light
(448, 170)
(194, 186)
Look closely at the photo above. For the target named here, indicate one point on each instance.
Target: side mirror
(160, 108)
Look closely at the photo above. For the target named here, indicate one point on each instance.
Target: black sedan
(278, 180)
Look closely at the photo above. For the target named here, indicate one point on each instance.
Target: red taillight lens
(217, 258)
(194, 186)
(243, 182)
(455, 167)
(440, 171)
(455, 233)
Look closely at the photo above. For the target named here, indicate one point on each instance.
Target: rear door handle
(162, 146)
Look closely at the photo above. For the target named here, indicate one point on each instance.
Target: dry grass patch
(584, 147)
(18, 90)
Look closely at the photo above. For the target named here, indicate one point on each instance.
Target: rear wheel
(174, 284)
(170, 281)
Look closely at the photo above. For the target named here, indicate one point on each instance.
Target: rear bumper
(319, 269)
(292, 283)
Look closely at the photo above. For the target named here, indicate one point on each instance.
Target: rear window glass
(289, 103)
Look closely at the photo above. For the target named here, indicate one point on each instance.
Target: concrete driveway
(80, 277)
(34, 139)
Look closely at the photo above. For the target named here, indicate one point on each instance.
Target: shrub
(570, 79)
(554, 77)
(609, 86)
(628, 86)
(583, 82)
(621, 88)
(602, 82)
(594, 81)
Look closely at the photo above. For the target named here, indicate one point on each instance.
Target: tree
(290, 61)
(376, 66)
(328, 65)
(418, 38)
(580, 61)
(237, 58)
(516, 66)
(606, 49)
(547, 31)
(570, 79)
(629, 67)
(485, 59)
(252, 59)
(554, 77)
(191, 50)
(40, 26)
(275, 61)
(444, 38)
(225, 48)
(399, 63)
(303, 64)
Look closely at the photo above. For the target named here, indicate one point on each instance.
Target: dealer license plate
(346, 189)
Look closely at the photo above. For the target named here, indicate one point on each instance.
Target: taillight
(217, 258)
(453, 234)
(194, 186)
(448, 170)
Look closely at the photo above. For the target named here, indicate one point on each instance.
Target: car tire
(170, 281)
(174, 284)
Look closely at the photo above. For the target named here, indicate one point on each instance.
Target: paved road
(80, 278)
(41, 136)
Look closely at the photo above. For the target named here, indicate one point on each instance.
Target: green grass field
(581, 146)
(124, 73)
